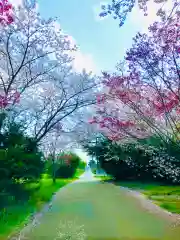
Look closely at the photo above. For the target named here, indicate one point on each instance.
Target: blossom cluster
(144, 99)
(6, 12)
(65, 159)
(162, 165)
(9, 99)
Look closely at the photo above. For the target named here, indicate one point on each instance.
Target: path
(89, 209)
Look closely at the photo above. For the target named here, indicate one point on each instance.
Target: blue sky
(101, 41)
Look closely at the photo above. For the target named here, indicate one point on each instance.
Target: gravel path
(90, 209)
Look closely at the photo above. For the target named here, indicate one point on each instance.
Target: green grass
(44, 190)
(15, 216)
(167, 197)
(104, 178)
(79, 172)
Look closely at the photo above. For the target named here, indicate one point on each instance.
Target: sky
(101, 43)
(83, 155)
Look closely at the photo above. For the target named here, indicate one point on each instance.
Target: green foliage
(93, 165)
(68, 164)
(149, 160)
(65, 165)
(20, 160)
(82, 165)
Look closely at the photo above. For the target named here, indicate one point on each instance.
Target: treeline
(146, 160)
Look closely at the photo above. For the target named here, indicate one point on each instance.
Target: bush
(65, 165)
(82, 165)
(68, 164)
(148, 160)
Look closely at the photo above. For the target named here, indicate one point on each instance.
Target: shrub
(20, 159)
(64, 165)
(67, 165)
(148, 160)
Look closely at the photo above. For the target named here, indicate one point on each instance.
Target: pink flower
(3, 102)
(6, 16)
(93, 120)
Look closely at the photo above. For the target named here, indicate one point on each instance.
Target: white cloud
(136, 17)
(84, 61)
(138, 20)
(81, 60)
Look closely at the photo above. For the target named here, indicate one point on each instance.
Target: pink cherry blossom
(6, 12)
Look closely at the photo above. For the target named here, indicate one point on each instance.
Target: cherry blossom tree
(143, 98)
(31, 49)
(121, 8)
(6, 18)
(36, 72)
(33, 52)
(55, 104)
(81, 131)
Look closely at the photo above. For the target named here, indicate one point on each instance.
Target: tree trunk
(53, 169)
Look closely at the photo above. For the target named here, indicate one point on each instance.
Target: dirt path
(102, 211)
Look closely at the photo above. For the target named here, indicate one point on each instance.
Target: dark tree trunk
(53, 169)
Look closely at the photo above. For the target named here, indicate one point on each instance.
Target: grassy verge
(104, 178)
(15, 216)
(167, 197)
(79, 172)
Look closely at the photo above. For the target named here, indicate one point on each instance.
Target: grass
(16, 215)
(103, 178)
(167, 197)
(79, 172)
